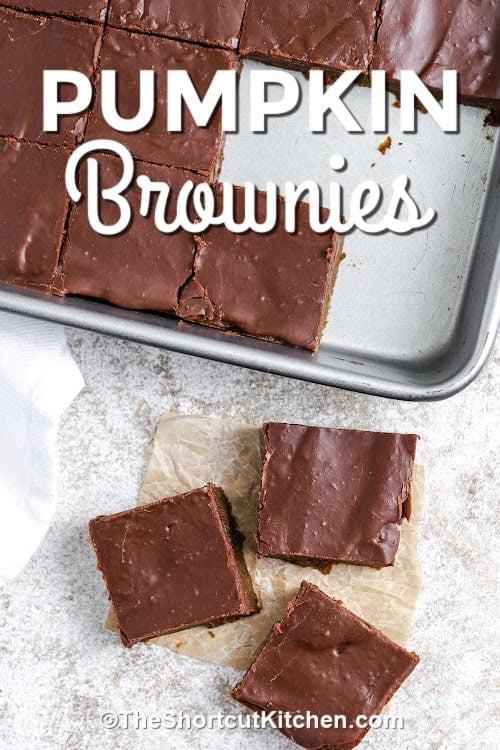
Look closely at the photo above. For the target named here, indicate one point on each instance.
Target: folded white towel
(38, 381)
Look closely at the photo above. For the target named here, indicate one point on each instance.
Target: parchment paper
(190, 451)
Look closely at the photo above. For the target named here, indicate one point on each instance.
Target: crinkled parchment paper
(189, 452)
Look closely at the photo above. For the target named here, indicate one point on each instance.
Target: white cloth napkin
(38, 381)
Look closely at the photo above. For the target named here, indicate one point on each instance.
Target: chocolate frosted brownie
(321, 658)
(173, 564)
(333, 495)
(31, 227)
(195, 148)
(334, 34)
(429, 36)
(273, 286)
(208, 21)
(28, 46)
(92, 10)
(139, 269)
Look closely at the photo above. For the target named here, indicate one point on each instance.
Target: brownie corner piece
(30, 44)
(173, 564)
(323, 660)
(331, 495)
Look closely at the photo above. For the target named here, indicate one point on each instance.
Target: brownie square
(196, 148)
(274, 286)
(333, 495)
(443, 35)
(31, 227)
(93, 10)
(28, 46)
(335, 34)
(322, 658)
(141, 268)
(208, 21)
(173, 564)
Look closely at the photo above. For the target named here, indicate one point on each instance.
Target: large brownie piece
(335, 34)
(196, 148)
(332, 495)
(31, 227)
(139, 269)
(323, 659)
(209, 21)
(429, 36)
(93, 10)
(274, 286)
(28, 46)
(173, 564)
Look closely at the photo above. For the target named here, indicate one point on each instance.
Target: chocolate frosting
(273, 285)
(209, 21)
(31, 227)
(53, 44)
(172, 564)
(141, 268)
(333, 33)
(334, 495)
(94, 10)
(430, 36)
(195, 148)
(323, 659)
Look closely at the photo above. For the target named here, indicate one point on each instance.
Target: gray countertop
(60, 669)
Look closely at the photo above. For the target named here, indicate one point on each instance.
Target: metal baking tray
(412, 317)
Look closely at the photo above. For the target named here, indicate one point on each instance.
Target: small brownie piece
(196, 148)
(334, 34)
(31, 227)
(92, 10)
(274, 286)
(173, 564)
(322, 658)
(139, 269)
(28, 46)
(435, 35)
(208, 21)
(333, 495)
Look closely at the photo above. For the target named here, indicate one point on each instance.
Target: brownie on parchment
(323, 659)
(332, 495)
(173, 564)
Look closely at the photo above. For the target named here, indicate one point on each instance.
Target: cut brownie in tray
(31, 227)
(332, 495)
(321, 658)
(207, 21)
(141, 268)
(334, 34)
(92, 10)
(434, 35)
(173, 564)
(273, 286)
(54, 43)
(195, 148)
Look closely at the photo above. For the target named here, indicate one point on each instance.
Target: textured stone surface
(60, 670)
